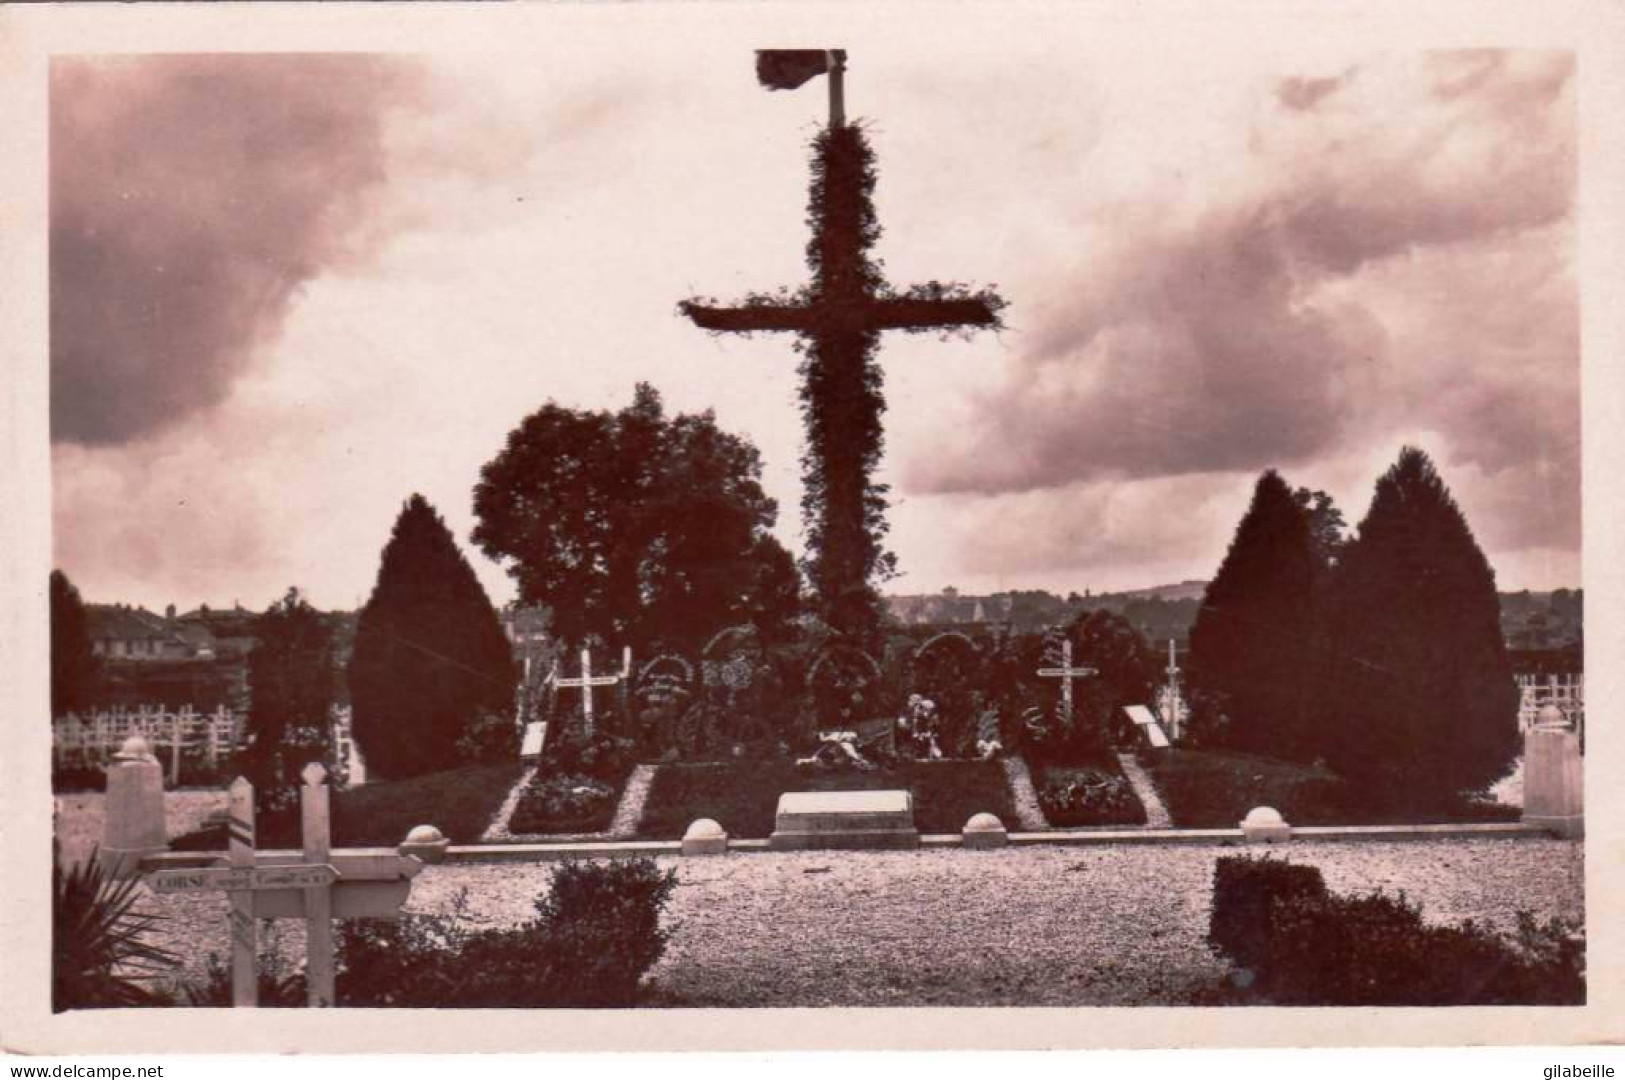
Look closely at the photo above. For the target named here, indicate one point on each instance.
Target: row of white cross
(1067, 672)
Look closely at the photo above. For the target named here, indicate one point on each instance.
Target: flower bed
(743, 796)
(568, 803)
(1074, 796)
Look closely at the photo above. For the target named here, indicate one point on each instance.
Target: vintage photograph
(816, 522)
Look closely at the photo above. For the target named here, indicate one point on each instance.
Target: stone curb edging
(1156, 812)
(1060, 837)
(521, 852)
(1023, 796)
(624, 825)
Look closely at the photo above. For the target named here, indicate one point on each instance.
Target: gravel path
(1023, 796)
(79, 816)
(1116, 925)
(1156, 812)
(497, 832)
(629, 811)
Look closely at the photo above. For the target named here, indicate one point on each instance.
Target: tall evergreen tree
(1420, 699)
(290, 686)
(75, 672)
(430, 655)
(1252, 643)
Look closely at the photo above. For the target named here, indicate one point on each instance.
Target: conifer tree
(1252, 643)
(290, 685)
(430, 655)
(1420, 699)
(75, 671)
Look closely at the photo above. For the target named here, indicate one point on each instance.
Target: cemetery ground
(1116, 924)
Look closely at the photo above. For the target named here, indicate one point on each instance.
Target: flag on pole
(786, 69)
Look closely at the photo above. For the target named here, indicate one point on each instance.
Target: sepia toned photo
(807, 518)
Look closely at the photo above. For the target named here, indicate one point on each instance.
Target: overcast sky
(289, 291)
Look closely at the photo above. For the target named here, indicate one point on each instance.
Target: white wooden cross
(1173, 705)
(317, 885)
(588, 680)
(1066, 673)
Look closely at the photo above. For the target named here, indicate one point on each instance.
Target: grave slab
(844, 819)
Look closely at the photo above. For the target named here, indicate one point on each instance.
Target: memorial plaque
(844, 819)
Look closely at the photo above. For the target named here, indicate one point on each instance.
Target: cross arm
(922, 313)
(782, 317)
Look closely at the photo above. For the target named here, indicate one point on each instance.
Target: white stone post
(1554, 777)
(133, 809)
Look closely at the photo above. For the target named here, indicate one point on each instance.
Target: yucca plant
(101, 955)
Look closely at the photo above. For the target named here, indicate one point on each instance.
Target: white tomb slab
(535, 736)
(844, 819)
(1149, 726)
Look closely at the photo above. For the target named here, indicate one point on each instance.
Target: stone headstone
(535, 735)
(844, 819)
(984, 831)
(705, 837)
(1149, 726)
(1264, 824)
(133, 808)
(1554, 779)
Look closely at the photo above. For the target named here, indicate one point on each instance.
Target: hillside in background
(1530, 621)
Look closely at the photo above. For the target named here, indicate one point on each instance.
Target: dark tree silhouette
(1420, 700)
(839, 316)
(430, 656)
(290, 686)
(75, 671)
(635, 526)
(1252, 646)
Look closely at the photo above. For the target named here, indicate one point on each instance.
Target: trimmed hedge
(596, 932)
(1306, 946)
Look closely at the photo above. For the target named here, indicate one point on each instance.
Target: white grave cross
(1066, 673)
(323, 886)
(588, 680)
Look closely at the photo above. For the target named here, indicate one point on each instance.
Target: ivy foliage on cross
(838, 317)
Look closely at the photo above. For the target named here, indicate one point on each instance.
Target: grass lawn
(459, 802)
(1207, 789)
(743, 796)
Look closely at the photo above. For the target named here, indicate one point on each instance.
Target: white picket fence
(89, 742)
(1566, 691)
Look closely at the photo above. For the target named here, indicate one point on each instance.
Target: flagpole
(837, 91)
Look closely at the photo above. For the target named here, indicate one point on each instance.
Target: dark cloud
(191, 197)
(1255, 330)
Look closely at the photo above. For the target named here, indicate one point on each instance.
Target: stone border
(1023, 796)
(1138, 835)
(623, 825)
(1156, 811)
(1133, 834)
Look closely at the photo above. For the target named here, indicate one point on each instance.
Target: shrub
(1245, 891)
(101, 957)
(1310, 947)
(489, 738)
(602, 756)
(603, 925)
(281, 983)
(596, 932)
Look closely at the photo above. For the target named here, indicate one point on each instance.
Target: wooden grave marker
(316, 884)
